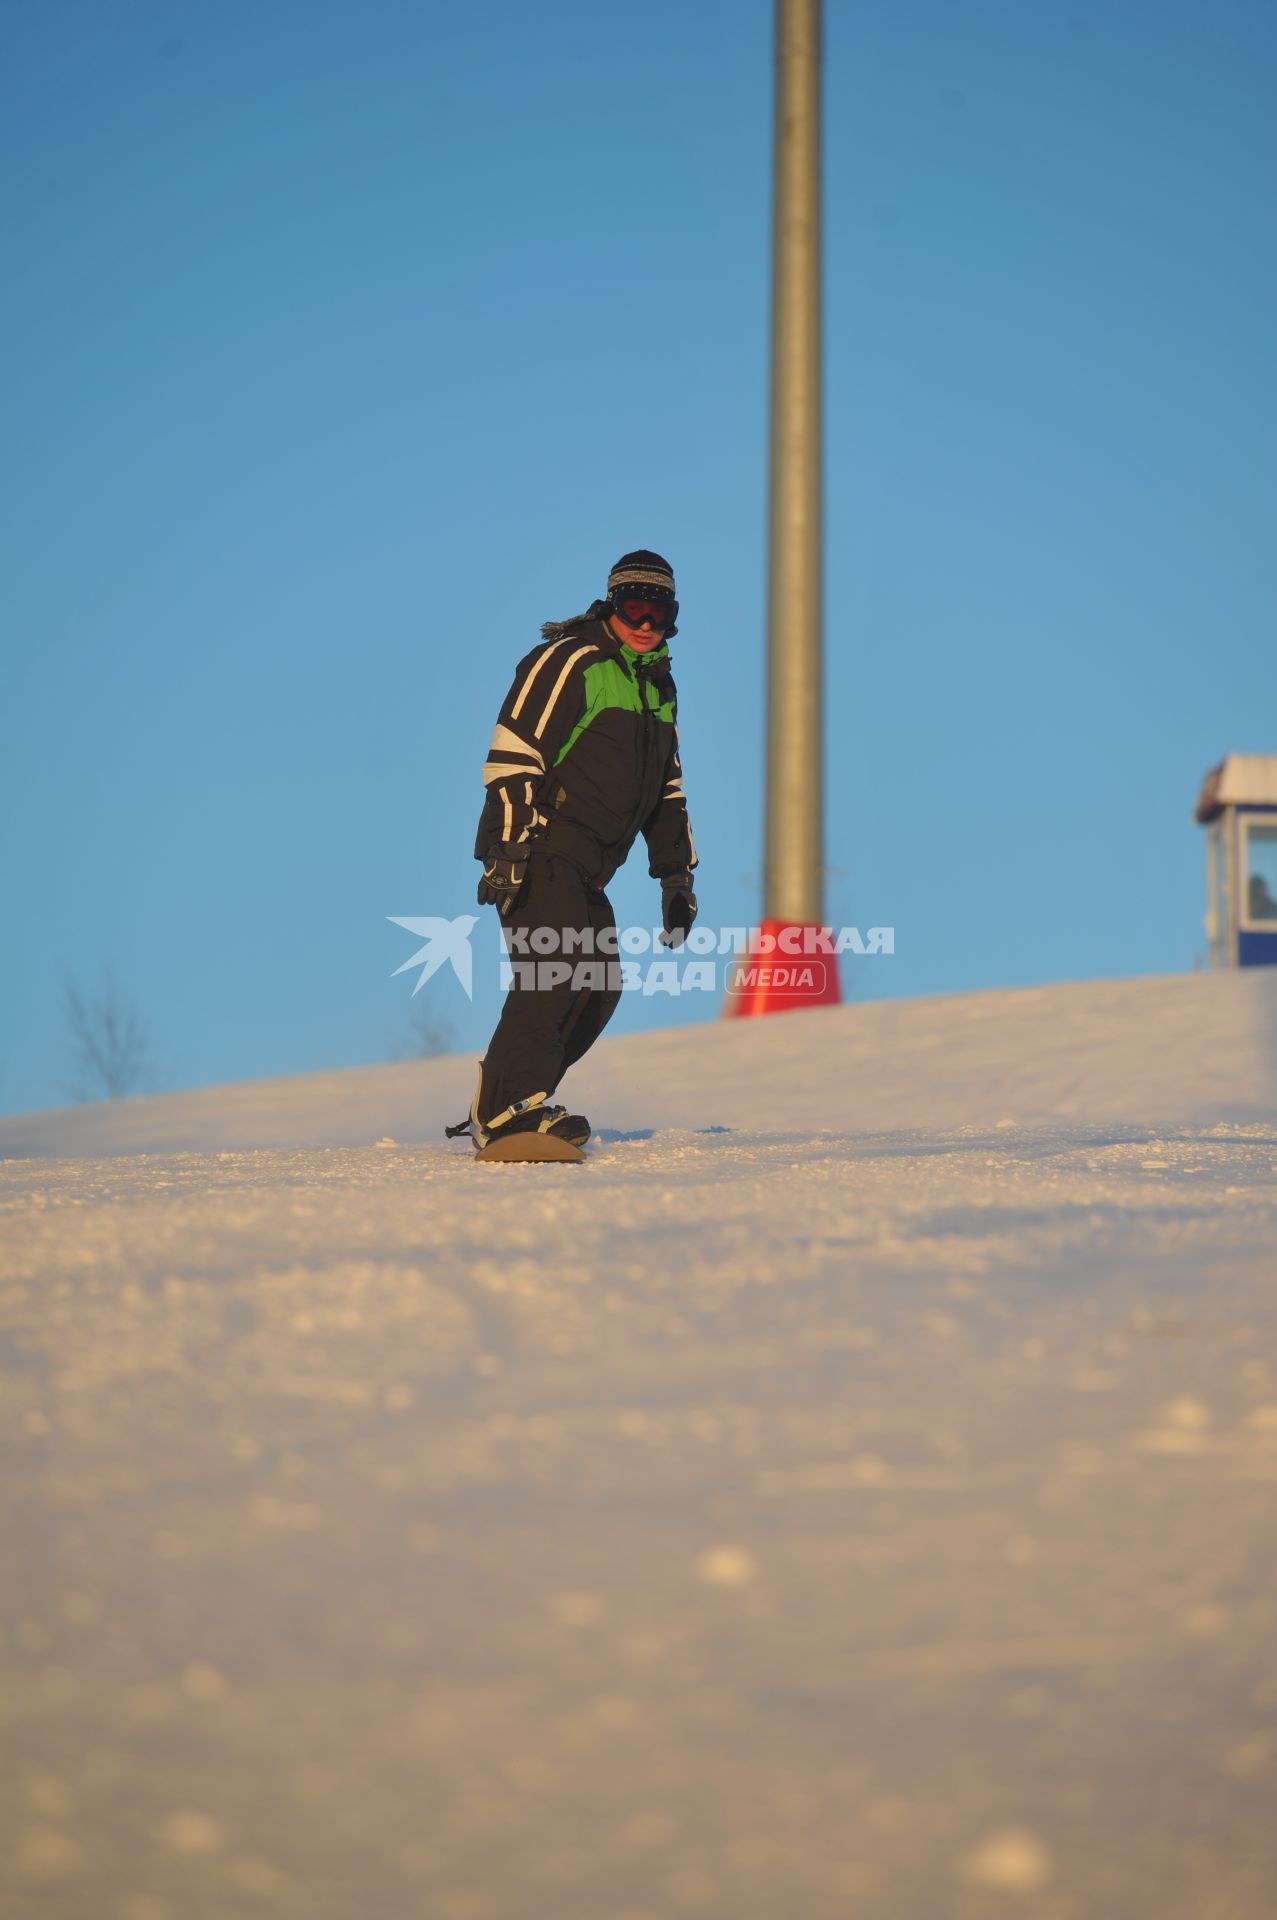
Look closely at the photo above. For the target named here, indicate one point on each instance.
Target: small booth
(1238, 808)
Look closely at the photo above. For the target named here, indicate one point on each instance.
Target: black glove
(678, 908)
(505, 875)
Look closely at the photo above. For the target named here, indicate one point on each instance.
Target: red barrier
(792, 965)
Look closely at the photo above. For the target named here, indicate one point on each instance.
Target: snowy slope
(852, 1493)
(1190, 1046)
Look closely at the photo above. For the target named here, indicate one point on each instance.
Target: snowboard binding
(529, 1129)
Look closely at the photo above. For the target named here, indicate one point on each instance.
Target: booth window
(1260, 867)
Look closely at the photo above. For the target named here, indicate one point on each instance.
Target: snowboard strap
(512, 1112)
(465, 1128)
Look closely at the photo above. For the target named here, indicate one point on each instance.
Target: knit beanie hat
(643, 576)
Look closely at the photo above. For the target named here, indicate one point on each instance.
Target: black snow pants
(547, 1021)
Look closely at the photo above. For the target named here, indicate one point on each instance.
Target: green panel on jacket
(609, 684)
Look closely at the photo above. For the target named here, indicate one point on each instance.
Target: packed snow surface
(852, 1492)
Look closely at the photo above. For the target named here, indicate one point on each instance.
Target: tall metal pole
(793, 857)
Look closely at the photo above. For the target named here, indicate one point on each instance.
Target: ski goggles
(658, 614)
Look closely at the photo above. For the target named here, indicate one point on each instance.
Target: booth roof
(1240, 780)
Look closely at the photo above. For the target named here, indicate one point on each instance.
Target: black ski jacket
(584, 756)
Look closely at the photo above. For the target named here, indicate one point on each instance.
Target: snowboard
(531, 1146)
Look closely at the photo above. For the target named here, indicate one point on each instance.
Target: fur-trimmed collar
(555, 629)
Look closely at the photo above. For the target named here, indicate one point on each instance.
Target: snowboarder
(584, 757)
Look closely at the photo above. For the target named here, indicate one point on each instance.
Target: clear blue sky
(343, 344)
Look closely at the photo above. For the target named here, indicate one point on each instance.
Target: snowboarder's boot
(572, 1127)
(522, 1116)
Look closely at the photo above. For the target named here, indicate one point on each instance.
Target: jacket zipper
(647, 739)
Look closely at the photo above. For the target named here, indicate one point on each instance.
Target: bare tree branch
(108, 1040)
(424, 1037)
